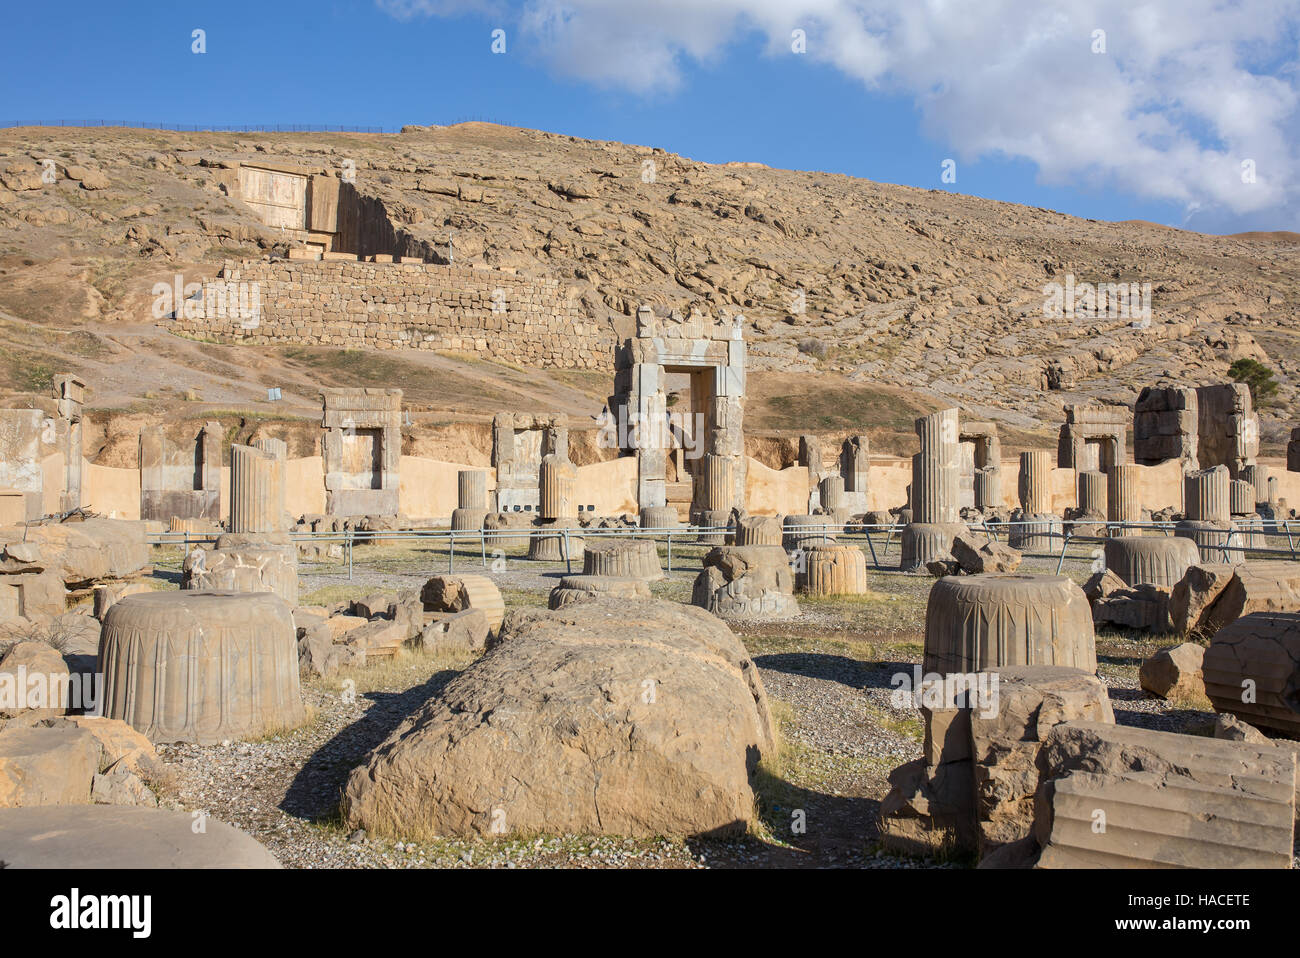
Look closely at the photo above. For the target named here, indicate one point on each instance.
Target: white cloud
(1186, 90)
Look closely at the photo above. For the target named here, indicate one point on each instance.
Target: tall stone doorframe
(1093, 438)
(362, 449)
(985, 465)
(181, 479)
(1203, 427)
(712, 353)
(519, 442)
(70, 398)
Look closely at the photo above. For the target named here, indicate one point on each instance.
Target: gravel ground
(827, 673)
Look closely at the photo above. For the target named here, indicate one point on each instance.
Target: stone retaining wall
(495, 314)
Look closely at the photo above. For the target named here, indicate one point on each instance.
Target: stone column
(1124, 497)
(1036, 482)
(471, 489)
(278, 450)
(256, 491)
(1092, 494)
(718, 480)
(1241, 498)
(559, 488)
(934, 469)
(1206, 494)
(855, 463)
(1258, 477)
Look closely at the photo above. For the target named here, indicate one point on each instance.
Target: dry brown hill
(862, 298)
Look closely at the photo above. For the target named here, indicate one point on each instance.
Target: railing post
(451, 552)
(670, 550)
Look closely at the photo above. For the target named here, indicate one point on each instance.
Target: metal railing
(868, 533)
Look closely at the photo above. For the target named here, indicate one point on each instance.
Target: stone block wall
(495, 314)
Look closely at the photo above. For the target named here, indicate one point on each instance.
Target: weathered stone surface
(1252, 669)
(1143, 607)
(833, 570)
(1175, 672)
(112, 836)
(201, 666)
(47, 766)
(1166, 800)
(977, 556)
(759, 531)
(1194, 593)
(622, 558)
(1268, 586)
(1030, 702)
(989, 621)
(33, 681)
(664, 694)
(455, 593)
(84, 553)
(1228, 726)
(580, 588)
(923, 543)
(1101, 584)
(464, 631)
(270, 568)
(973, 789)
(121, 787)
(743, 582)
(1150, 560)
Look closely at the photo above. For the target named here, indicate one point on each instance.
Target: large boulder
(613, 716)
(1174, 673)
(1196, 591)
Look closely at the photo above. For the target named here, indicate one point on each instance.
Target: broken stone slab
(1174, 673)
(1101, 584)
(464, 631)
(976, 556)
(1268, 586)
(34, 681)
(83, 553)
(121, 787)
(113, 836)
(1195, 592)
(973, 787)
(1116, 796)
(1252, 669)
(1144, 607)
(1005, 741)
(47, 766)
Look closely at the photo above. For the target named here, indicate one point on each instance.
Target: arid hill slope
(848, 283)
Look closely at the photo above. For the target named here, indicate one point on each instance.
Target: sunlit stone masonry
(935, 512)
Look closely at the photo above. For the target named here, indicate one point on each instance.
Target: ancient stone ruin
(362, 449)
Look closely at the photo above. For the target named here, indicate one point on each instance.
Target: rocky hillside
(847, 284)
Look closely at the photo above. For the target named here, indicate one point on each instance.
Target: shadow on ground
(315, 791)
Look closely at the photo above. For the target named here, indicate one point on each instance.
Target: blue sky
(1154, 127)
